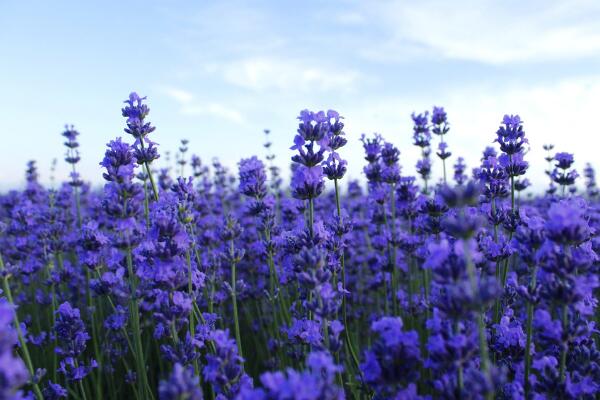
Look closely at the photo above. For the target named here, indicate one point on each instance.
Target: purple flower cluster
(226, 284)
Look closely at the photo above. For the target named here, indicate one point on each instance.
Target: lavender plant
(223, 285)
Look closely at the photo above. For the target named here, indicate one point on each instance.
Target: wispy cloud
(179, 95)
(486, 31)
(190, 106)
(264, 73)
(214, 109)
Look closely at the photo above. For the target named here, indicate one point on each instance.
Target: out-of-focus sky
(219, 72)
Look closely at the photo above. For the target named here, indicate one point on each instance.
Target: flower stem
(137, 336)
(443, 161)
(80, 383)
(393, 254)
(76, 190)
(311, 218)
(565, 347)
(529, 329)
(236, 321)
(154, 189)
(459, 372)
(347, 336)
(24, 349)
(483, 348)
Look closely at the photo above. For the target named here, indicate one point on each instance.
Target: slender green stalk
(76, 190)
(95, 333)
(513, 208)
(274, 282)
(565, 347)
(459, 372)
(137, 336)
(190, 290)
(387, 288)
(192, 325)
(311, 218)
(483, 348)
(512, 188)
(529, 333)
(78, 205)
(499, 266)
(236, 322)
(154, 189)
(348, 339)
(393, 254)
(146, 205)
(80, 383)
(22, 341)
(53, 318)
(443, 161)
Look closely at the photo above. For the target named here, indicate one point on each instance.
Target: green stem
(137, 336)
(190, 289)
(95, 333)
(512, 188)
(529, 330)
(483, 348)
(24, 349)
(443, 161)
(236, 321)
(459, 372)
(193, 298)
(76, 190)
(154, 189)
(348, 339)
(311, 216)
(311, 219)
(146, 205)
(393, 254)
(80, 383)
(565, 347)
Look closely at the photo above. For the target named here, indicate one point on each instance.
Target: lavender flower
(73, 337)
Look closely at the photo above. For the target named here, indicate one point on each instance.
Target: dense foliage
(220, 286)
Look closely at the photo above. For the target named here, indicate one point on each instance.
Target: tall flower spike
(307, 176)
(72, 337)
(421, 132)
(253, 178)
(459, 171)
(590, 181)
(440, 127)
(563, 174)
(510, 135)
(335, 167)
(422, 139)
(136, 112)
(72, 157)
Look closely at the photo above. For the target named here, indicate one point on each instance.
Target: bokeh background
(219, 72)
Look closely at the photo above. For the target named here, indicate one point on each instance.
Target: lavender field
(203, 282)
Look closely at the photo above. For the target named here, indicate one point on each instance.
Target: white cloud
(179, 95)
(486, 31)
(264, 73)
(214, 109)
(190, 106)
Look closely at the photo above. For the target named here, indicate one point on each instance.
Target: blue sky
(218, 72)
